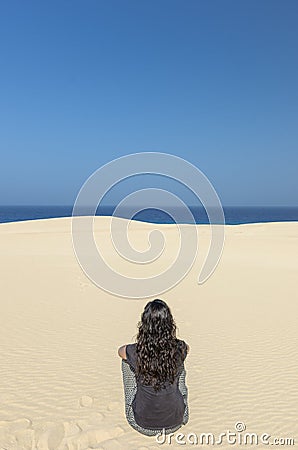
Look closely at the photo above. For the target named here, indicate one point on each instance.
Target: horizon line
(149, 207)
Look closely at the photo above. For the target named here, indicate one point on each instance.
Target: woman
(154, 374)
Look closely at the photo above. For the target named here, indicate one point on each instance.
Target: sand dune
(60, 378)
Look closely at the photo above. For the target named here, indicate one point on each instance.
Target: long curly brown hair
(159, 353)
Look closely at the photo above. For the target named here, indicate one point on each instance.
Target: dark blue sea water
(233, 214)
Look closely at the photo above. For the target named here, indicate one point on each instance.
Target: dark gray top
(161, 409)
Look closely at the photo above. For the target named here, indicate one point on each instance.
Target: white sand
(60, 377)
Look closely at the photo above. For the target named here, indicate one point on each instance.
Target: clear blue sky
(213, 81)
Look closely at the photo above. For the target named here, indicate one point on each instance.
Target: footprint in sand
(86, 401)
(14, 425)
(25, 439)
(50, 438)
(71, 428)
(95, 437)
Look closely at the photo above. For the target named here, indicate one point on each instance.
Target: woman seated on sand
(154, 374)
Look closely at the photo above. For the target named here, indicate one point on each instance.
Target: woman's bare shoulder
(122, 352)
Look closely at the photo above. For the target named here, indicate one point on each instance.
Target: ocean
(234, 215)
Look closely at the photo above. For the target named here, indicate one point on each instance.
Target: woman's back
(165, 406)
(155, 370)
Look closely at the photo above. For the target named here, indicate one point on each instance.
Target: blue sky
(213, 81)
